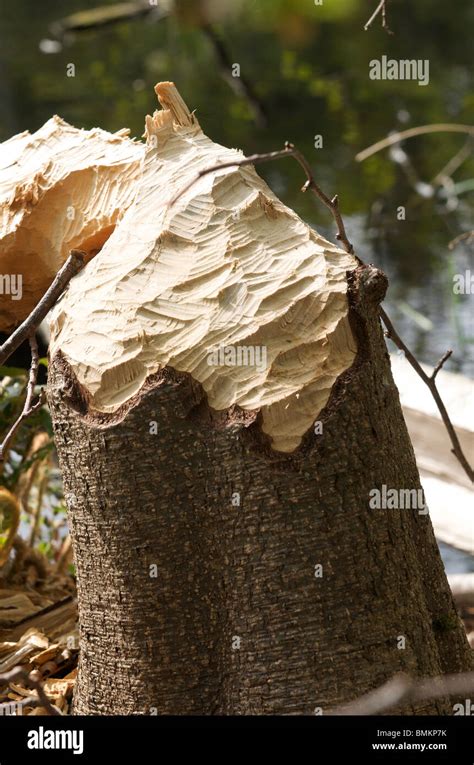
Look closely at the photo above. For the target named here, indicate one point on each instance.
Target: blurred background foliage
(304, 72)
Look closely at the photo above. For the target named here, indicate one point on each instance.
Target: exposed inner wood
(228, 285)
(60, 188)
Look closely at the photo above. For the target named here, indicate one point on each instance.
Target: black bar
(141, 739)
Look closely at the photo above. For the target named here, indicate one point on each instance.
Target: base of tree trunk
(216, 576)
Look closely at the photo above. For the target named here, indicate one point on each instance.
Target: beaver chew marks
(60, 189)
(226, 284)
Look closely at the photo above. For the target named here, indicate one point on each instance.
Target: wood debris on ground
(38, 632)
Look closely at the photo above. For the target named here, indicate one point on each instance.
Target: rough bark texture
(235, 620)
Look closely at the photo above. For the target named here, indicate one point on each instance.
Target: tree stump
(224, 411)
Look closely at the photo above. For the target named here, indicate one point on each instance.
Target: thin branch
(430, 382)
(70, 268)
(333, 205)
(381, 8)
(442, 176)
(64, 555)
(19, 673)
(440, 364)
(28, 408)
(255, 159)
(466, 237)
(36, 515)
(14, 508)
(404, 689)
(412, 133)
(455, 162)
(106, 16)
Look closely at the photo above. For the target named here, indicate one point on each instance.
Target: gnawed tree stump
(229, 558)
(227, 267)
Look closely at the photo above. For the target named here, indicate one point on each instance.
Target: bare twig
(381, 8)
(430, 381)
(333, 205)
(412, 133)
(14, 508)
(28, 408)
(19, 673)
(440, 364)
(403, 689)
(106, 16)
(455, 162)
(441, 177)
(64, 555)
(466, 236)
(36, 515)
(71, 267)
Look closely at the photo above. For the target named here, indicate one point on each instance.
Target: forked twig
(29, 407)
(381, 8)
(27, 330)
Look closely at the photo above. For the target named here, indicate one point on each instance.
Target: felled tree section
(225, 283)
(60, 188)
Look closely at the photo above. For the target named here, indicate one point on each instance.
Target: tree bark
(191, 603)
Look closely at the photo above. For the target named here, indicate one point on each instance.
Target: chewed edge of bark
(367, 286)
